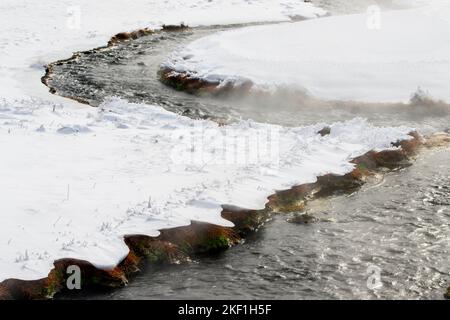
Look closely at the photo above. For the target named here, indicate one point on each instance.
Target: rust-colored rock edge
(191, 83)
(182, 244)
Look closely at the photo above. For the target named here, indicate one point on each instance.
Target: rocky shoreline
(183, 81)
(183, 244)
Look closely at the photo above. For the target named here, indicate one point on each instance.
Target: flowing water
(399, 227)
(388, 240)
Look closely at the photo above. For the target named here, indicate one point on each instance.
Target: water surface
(399, 226)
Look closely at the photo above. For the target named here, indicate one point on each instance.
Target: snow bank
(381, 57)
(74, 181)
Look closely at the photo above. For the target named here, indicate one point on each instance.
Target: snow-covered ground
(74, 180)
(373, 57)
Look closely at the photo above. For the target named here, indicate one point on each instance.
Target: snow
(74, 180)
(354, 57)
